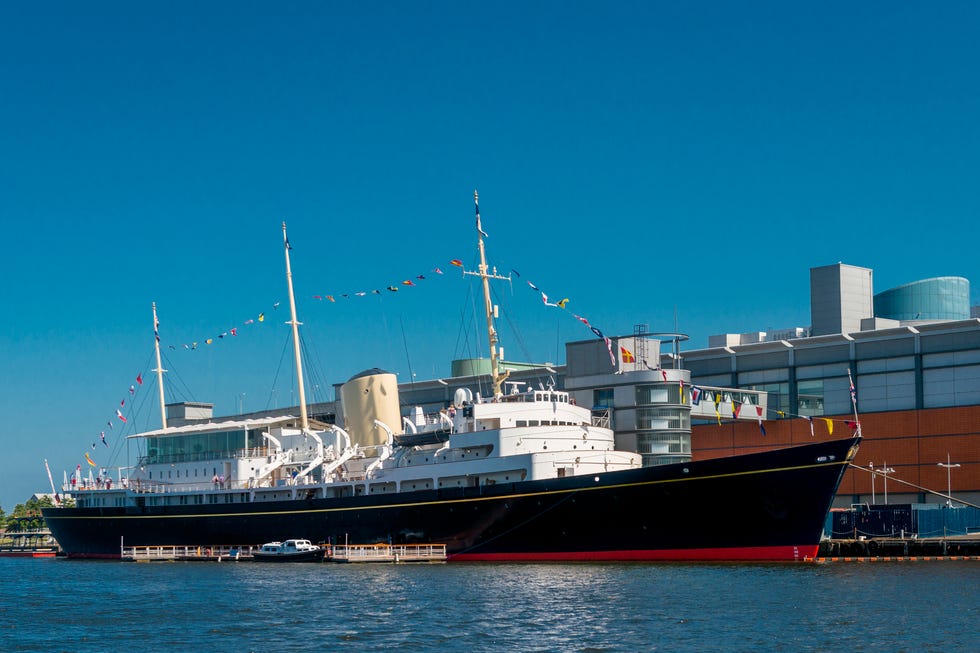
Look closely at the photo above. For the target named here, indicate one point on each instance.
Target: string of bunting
(406, 283)
(332, 298)
(110, 424)
(227, 333)
(699, 394)
(562, 303)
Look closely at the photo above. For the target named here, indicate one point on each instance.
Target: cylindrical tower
(371, 395)
(928, 300)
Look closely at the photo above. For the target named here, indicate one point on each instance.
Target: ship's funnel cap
(374, 371)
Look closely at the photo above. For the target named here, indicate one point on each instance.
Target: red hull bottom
(802, 553)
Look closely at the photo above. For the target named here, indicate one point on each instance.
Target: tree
(27, 516)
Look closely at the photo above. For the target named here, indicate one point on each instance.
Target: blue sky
(646, 160)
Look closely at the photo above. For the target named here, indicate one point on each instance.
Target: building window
(602, 398)
(809, 397)
(778, 397)
(654, 394)
(662, 419)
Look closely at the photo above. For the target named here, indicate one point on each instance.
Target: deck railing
(227, 552)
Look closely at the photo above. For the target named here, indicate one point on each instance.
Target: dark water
(61, 605)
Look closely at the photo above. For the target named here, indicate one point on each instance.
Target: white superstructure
(525, 435)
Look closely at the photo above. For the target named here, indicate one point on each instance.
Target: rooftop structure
(940, 298)
(840, 297)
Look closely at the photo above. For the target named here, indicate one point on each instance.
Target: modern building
(917, 392)
(912, 354)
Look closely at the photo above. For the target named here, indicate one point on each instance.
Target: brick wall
(910, 441)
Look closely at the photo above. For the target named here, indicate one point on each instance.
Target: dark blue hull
(763, 506)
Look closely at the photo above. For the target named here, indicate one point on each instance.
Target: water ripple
(58, 605)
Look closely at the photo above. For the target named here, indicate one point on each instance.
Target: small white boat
(289, 551)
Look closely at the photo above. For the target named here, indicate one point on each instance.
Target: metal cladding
(371, 395)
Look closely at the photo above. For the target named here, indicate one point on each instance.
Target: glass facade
(200, 446)
(941, 298)
(663, 424)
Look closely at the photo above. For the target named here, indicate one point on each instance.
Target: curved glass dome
(940, 298)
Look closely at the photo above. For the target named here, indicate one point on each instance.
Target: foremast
(496, 354)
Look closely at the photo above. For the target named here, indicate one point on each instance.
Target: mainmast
(304, 421)
(159, 369)
(497, 377)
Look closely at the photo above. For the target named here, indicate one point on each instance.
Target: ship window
(522, 422)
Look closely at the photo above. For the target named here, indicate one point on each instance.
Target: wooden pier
(390, 553)
(186, 553)
(394, 553)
